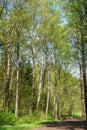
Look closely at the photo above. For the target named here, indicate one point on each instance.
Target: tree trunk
(65, 94)
(82, 89)
(10, 89)
(55, 97)
(17, 83)
(33, 80)
(55, 111)
(79, 48)
(82, 94)
(8, 67)
(48, 91)
(41, 79)
(8, 77)
(84, 77)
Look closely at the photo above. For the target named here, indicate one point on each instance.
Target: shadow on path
(68, 125)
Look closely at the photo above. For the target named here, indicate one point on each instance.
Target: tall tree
(17, 80)
(78, 10)
(8, 57)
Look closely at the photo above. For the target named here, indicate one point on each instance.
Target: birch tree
(8, 57)
(78, 22)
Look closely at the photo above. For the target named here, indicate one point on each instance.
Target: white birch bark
(48, 91)
(17, 82)
(41, 79)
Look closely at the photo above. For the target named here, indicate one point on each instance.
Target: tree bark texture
(17, 83)
(33, 79)
(83, 71)
(48, 91)
(8, 76)
(41, 79)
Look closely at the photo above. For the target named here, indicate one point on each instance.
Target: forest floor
(70, 124)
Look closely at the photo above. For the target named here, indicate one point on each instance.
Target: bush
(25, 119)
(37, 116)
(7, 118)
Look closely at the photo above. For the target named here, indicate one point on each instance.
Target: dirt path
(65, 125)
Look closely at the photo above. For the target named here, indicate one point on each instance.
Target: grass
(24, 126)
(31, 126)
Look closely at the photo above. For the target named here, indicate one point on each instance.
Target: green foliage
(28, 119)
(31, 24)
(77, 114)
(7, 118)
(25, 126)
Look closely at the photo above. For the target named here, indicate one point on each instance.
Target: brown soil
(72, 124)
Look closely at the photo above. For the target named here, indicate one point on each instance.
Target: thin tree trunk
(55, 114)
(65, 95)
(59, 73)
(84, 78)
(55, 97)
(8, 67)
(48, 91)
(55, 105)
(82, 92)
(17, 84)
(33, 59)
(33, 80)
(41, 79)
(81, 85)
(10, 89)
(8, 76)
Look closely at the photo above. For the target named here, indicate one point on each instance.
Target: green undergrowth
(25, 126)
(77, 115)
(8, 121)
(8, 118)
(29, 119)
